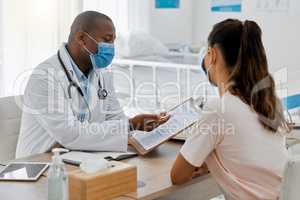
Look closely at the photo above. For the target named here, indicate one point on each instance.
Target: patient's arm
(182, 171)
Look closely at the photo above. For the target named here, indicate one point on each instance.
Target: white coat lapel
(65, 56)
(76, 99)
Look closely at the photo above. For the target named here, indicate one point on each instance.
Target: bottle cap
(56, 155)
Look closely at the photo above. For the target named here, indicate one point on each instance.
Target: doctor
(70, 101)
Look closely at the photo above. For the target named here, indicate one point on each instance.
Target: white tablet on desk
(23, 171)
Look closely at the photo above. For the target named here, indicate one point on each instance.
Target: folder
(182, 117)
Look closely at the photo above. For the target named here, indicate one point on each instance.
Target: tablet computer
(23, 171)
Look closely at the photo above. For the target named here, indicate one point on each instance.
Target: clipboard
(142, 150)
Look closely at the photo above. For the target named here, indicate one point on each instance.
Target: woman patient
(240, 136)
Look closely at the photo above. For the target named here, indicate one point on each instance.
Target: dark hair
(243, 51)
(87, 21)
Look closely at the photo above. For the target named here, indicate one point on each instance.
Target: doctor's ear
(80, 38)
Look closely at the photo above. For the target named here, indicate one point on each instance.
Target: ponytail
(250, 77)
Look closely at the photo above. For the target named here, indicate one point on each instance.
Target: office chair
(291, 179)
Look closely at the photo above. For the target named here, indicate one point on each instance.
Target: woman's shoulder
(226, 106)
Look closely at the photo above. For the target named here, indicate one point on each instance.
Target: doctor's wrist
(131, 126)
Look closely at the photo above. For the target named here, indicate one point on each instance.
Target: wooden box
(105, 184)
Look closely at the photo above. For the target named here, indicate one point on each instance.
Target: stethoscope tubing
(101, 93)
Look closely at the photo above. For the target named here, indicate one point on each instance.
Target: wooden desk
(153, 176)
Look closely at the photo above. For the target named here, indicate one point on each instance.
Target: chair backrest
(10, 121)
(291, 179)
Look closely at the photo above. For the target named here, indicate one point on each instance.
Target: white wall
(140, 8)
(172, 25)
(194, 20)
(117, 10)
(32, 30)
(127, 15)
(281, 31)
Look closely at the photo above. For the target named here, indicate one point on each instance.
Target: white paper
(295, 115)
(180, 118)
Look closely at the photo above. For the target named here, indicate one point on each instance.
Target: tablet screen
(23, 171)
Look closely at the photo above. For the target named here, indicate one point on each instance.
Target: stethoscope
(102, 92)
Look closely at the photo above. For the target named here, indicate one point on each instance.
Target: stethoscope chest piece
(102, 93)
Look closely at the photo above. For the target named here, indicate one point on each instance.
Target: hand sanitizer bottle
(58, 185)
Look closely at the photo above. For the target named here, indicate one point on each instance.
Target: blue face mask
(104, 55)
(203, 52)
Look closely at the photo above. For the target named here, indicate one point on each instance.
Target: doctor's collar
(75, 67)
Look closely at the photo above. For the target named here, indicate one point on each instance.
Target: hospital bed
(172, 68)
(180, 68)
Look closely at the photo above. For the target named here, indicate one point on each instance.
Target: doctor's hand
(148, 122)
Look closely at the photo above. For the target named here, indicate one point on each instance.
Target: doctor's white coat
(50, 116)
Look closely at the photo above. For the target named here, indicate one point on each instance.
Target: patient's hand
(199, 171)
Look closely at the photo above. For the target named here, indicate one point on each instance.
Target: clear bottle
(58, 185)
